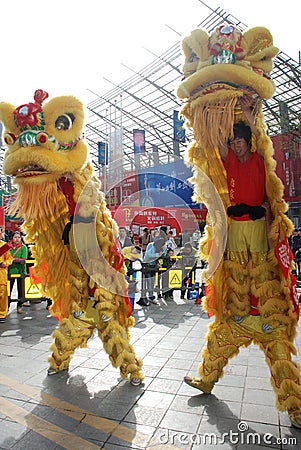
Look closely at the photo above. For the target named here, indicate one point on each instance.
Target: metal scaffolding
(147, 100)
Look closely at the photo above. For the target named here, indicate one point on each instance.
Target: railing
(30, 290)
(179, 276)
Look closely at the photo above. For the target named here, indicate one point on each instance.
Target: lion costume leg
(73, 332)
(285, 373)
(223, 342)
(3, 301)
(116, 343)
(77, 329)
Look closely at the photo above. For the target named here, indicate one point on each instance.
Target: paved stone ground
(91, 407)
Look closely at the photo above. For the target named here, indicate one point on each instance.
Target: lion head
(228, 59)
(44, 141)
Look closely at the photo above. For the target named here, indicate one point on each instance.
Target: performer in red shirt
(247, 242)
(250, 288)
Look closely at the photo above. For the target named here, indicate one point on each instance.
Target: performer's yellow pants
(224, 341)
(247, 237)
(250, 274)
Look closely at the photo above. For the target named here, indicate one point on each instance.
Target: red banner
(288, 169)
(135, 217)
(284, 255)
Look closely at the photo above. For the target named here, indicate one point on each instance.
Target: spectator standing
(132, 237)
(131, 254)
(153, 252)
(123, 238)
(5, 260)
(144, 239)
(298, 263)
(195, 238)
(19, 252)
(156, 234)
(185, 237)
(296, 241)
(170, 243)
(189, 260)
(163, 232)
(167, 263)
(291, 238)
(153, 233)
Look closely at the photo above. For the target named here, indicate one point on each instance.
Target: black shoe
(2, 320)
(142, 302)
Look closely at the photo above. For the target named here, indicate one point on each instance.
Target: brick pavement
(91, 407)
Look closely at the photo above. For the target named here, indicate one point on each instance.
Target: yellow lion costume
(219, 71)
(74, 236)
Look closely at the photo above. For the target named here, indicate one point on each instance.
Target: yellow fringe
(212, 117)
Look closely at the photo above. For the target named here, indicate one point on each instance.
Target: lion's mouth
(30, 170)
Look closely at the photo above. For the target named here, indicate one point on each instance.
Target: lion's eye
(65, 121)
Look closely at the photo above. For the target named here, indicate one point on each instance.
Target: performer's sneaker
(135, 381)
(295, 418)
(52, 371)
(199, 384)
(106, 318)
(267, 328)
(238, 319)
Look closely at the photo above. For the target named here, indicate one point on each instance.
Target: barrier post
(143, 280)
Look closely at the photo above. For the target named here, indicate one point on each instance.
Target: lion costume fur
(218, 70)
(59, 194)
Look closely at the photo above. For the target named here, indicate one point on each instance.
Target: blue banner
(139, 141)
(103, 153)
(166, 186)
(179, 134)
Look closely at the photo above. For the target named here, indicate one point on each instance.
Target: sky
(72, 47)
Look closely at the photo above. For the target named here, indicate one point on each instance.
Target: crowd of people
(155, 248)
(159, 250)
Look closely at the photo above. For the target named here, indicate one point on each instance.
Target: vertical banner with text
(179, 134)
(139, 141)
(103, 157)
(115, 168)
